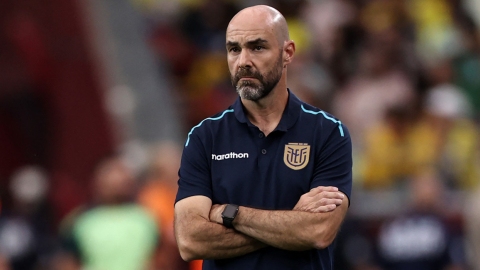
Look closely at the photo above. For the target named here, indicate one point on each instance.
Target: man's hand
(320, 200)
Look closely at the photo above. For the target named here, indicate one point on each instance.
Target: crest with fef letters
(296, 155)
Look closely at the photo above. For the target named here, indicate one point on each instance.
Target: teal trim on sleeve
(216, 118)
(327, 117)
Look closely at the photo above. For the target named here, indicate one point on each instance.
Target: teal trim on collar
(327, 117)
(210, 118)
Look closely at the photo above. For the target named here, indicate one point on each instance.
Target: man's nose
(244, 60)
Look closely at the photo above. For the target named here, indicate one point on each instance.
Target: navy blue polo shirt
(229, 160)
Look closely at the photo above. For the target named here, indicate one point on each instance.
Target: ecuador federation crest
(296, 155)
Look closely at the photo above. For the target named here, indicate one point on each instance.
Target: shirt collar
(289, 117)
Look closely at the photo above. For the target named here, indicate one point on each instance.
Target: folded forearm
(291, 230)
(207, 240)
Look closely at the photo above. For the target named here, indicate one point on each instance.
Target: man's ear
(289, 52)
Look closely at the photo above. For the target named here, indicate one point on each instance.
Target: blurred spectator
(377, 16)
(456, 138)
(158, 196)
(207, 32)
(420, 239)
(209, 87)
(355, 245)
(326, 19)
(391, 149)
(436, 32)
(27, 238)
(466, 66)
(311, 81)
(114, 233)
(377, 85)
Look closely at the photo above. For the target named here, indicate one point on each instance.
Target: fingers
(319, 209)
(325, 201)
(324, 208)
(324, 205)
(321, 205)
(322, 188)
(329, 195)
(320, 199)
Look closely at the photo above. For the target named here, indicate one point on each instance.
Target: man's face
(255, 60)
(114, 181)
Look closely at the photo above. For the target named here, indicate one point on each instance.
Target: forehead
(247, 31)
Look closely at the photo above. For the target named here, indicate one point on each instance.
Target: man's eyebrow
(257, 41)
(232, 43)
(250, 43)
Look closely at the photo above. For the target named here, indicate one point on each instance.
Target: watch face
(230, 211)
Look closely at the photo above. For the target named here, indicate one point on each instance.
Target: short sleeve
(333, 165)
(194, 174)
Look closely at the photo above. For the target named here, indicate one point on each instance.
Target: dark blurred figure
(205, 25)
(25, 72)
(201, 73)
(27, 237)
(354, 248)
(466, 66)
(158, 196)
(113, 233)
(421, 238)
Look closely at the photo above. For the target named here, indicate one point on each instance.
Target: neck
(267, 112)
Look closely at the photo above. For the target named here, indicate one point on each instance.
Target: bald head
(258, 52)
(260, 18)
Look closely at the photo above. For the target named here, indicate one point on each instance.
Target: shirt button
(261, 135)
(264, 151)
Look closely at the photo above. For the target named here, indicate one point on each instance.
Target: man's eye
(258, 48)
(234, 49)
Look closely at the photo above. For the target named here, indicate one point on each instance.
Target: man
(113, 233)
(263, 184)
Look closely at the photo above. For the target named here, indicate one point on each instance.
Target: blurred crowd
(126, 224)
(402, 75)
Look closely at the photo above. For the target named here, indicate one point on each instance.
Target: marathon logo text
(229, 156)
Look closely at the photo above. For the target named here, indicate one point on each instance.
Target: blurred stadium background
(97, 97)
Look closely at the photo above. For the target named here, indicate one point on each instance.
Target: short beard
(253, 91)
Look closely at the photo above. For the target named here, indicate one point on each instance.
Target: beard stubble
(251, 90)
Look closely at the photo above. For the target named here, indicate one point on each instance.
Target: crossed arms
(313, 223)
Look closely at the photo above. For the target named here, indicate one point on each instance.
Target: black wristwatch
(229, 214)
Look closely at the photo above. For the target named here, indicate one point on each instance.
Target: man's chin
(249, 93)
